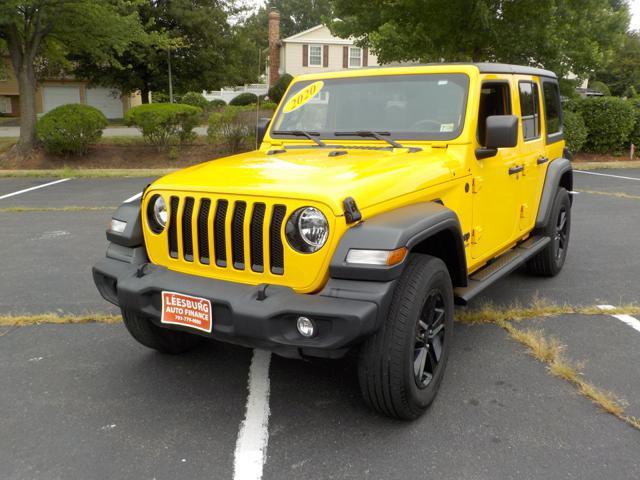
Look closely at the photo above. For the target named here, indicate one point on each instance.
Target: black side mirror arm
(482, 153)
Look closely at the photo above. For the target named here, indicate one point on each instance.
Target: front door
(495, 185)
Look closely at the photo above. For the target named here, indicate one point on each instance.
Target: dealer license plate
(187, 311)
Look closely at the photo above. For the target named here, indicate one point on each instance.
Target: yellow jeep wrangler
(378, 198)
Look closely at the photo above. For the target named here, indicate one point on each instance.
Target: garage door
(106, 100)
(55, 96)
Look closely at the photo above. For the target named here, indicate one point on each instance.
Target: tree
(622, 73)
(196, 34)
(562, 35)
(33, 27)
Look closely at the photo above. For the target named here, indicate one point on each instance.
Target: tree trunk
(476, 55)
(144, 94)
(27, 88)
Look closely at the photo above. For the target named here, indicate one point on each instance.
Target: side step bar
(499, 267)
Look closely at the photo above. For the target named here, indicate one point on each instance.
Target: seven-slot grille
(220, 223)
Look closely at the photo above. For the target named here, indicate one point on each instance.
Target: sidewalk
(14, 132)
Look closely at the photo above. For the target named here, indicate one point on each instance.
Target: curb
(88, 173)
(605, 165)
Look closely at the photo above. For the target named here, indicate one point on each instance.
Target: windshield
(409, 107)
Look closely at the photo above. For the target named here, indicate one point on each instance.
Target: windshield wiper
(302, 133)
(367, 133)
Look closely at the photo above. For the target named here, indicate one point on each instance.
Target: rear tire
(160, 339)
(401, 366)
(549, 262)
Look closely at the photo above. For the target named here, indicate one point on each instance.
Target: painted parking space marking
(251, 446)
(607, 175)
(135, 197)
(30, 189)
(628, 319)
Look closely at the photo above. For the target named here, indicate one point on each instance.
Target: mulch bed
(116, 156)
(599, 157)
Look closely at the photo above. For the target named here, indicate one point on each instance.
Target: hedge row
(601, 124)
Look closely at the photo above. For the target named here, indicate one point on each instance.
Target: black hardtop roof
(488, 67)
(515, 69)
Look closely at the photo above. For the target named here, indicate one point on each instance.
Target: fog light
(306, 327)
(117, 226)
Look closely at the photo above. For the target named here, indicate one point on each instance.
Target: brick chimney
(274, 47)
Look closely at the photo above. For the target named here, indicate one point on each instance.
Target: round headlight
(307, 230)
(157, 213)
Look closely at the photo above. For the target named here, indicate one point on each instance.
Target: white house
(314, 50)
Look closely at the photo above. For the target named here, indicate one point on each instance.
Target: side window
(552, 110)
(494, 100)
(530, 108)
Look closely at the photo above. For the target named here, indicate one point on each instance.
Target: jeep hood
(369, 176)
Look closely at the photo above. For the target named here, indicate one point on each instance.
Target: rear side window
(530, 108)
(553, 111)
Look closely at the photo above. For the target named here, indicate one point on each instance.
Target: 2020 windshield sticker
(303, 96)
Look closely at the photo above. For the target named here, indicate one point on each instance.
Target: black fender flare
(132, 235)
(556, 170)
(404, 227)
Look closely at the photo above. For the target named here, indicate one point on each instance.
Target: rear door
(532, 149)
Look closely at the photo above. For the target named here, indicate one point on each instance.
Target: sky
(635, 14)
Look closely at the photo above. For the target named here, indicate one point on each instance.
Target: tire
(550, 260)
(391, 380)
(160, 339)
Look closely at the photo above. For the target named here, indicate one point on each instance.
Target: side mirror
(261, 130)
(502, 132)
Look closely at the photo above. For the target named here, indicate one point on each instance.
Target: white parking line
(135, 197)
(607, 175)
(33, 188)
(251, 446)
(628, 319)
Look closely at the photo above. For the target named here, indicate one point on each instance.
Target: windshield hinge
(351, 212)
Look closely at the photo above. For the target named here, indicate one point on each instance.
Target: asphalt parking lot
(86, 401)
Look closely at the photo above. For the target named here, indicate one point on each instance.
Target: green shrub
(194, 99)
(159, 97)
(271, 106)
(575, 131)
(243, 99)
(601, 87)
(217, 103)
(70, 129)
(276, 92)
(233, 128)
(161, 123)
(609, 122)
(635, 133)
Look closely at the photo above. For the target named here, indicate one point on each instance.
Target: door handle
(542, 160)
(516, 169)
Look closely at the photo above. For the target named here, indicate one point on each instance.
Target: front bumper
(263, 316)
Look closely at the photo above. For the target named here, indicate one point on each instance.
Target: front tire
(160, 339)
(550, 260)
(401, 366)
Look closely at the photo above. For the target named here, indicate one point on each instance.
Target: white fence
(229, 93)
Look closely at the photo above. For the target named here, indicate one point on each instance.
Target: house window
(355, 57)
(315, 55)
(5, 105)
